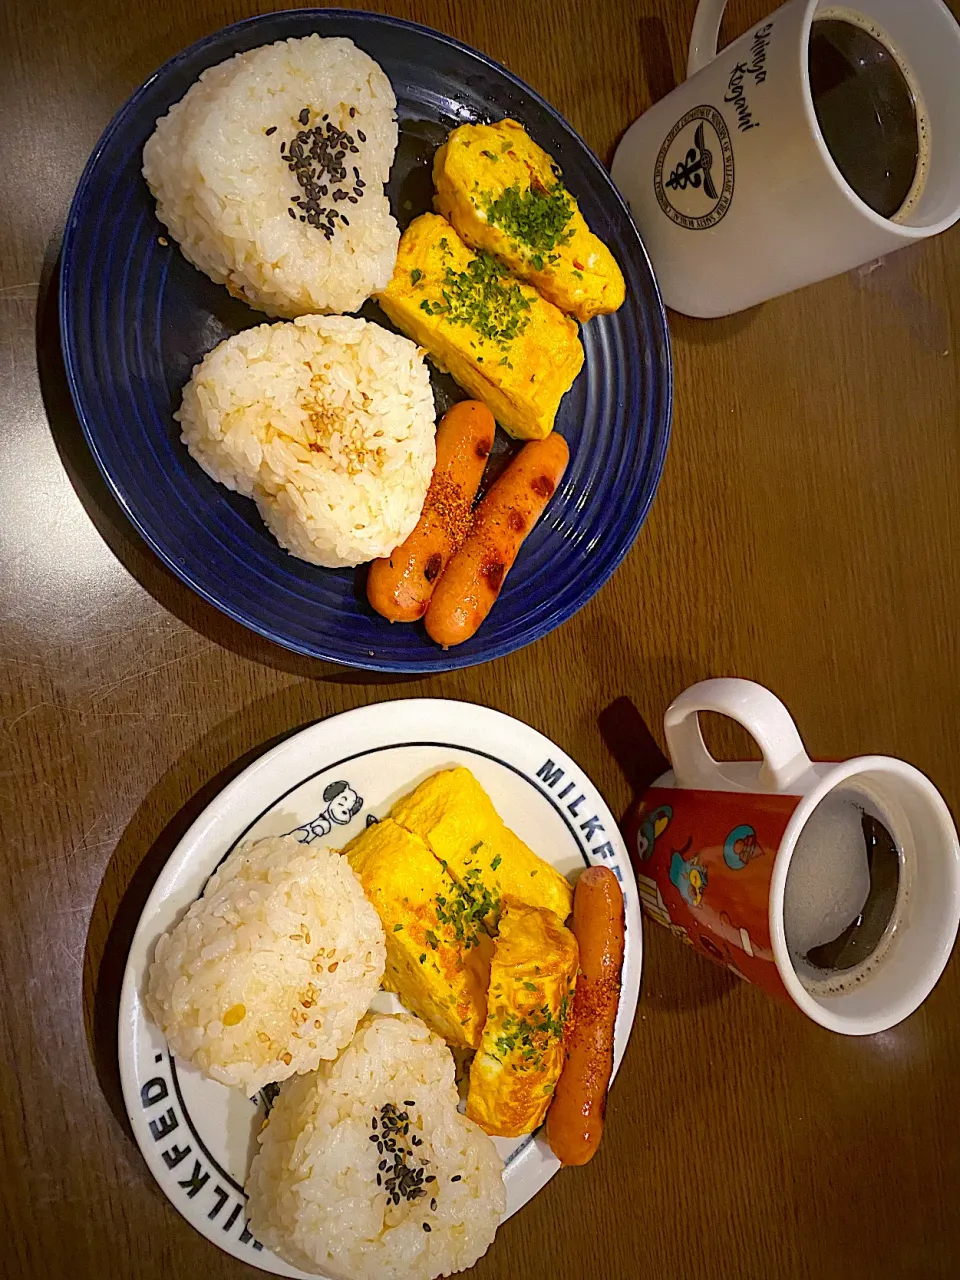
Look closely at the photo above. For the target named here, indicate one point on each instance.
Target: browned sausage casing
(400, 586)
(472, 580)
(575, 1118)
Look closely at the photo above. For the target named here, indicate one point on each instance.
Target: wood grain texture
(805, 535)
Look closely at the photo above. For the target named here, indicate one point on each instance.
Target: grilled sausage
(472, 580)
(400, 586)
(575, 1118)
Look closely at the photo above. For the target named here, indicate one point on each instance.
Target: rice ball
(269, 174)
(269, 971)
(317, 1194)
(328, 423)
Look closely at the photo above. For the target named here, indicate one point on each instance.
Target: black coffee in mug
(868, 111)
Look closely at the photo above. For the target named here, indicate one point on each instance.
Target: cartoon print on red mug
(688, 875)
(706, 876)
(740, 847)
(651, 828)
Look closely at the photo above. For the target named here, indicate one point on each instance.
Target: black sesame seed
(429, 1178)
(304, 115)
(271, 131)
(346, 223)
(374, 1122)
(426, 1226)
(352, 199)
(283, 147)
(455, 1178)
(379, 1180)
(433, 1205)
(396, 1197)
(353, 112)
(292, 214)
(361, 135)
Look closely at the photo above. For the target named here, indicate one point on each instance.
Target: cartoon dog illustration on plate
(341, 804)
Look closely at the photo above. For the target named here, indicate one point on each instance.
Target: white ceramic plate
(198, 1137)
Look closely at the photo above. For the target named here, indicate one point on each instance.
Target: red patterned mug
(712, 845)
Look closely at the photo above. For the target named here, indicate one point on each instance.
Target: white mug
(713, 843)
(730, 180)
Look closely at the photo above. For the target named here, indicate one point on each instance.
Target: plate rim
(446, 659)
(456, 710)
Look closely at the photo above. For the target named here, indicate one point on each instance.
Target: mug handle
(705, 35)
(758, 710)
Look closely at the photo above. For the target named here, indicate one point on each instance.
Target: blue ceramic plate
(136, 318)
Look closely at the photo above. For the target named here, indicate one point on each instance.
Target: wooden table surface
(805, 535)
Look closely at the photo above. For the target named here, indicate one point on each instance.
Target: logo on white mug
(693, 176)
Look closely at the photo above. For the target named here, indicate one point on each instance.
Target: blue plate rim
(450, 659)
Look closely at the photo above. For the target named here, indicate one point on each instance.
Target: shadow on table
(692, 981)
(114, 528)
(130, 875)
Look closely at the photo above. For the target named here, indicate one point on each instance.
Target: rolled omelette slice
(440, 976)
(505, 195)
(456, 819)
(497, 337)
(532, 982)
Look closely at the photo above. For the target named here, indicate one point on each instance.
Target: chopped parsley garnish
(432, 939)
(485, 298)
(397, 928)
(530, 986)
(495, 863)
(536, 217)
(416, 275)
(475, 847)
(465, 908)
(423, 957)
(491, 156)
(530, 1036)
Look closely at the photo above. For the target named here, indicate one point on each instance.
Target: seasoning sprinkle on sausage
(400, 586)
(473, 579)
(575, 1119)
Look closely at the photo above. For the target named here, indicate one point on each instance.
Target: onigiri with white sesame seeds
(328, 423)
(271, 969)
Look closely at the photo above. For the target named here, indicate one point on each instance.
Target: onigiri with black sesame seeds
(367, 1170)
(270, 175)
